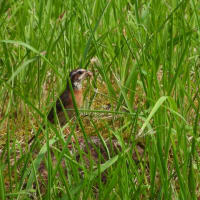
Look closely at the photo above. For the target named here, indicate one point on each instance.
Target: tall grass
(145, 60)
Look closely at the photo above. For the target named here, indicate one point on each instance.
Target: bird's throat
(77, 85)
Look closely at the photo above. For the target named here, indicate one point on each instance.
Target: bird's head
(77, 76)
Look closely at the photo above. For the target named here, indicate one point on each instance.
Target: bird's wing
(61, 102)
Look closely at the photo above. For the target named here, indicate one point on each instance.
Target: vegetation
(145, 90)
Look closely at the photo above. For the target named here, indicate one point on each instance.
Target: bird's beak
(85, 75)
(89, 73)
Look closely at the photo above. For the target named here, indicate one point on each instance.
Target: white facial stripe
(81, 76)
(72, 74)
(79, 70)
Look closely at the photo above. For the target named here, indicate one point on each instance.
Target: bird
(65, 100)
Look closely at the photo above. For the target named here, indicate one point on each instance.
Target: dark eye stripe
(75, 72)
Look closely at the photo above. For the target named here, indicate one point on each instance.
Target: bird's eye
(80, 72)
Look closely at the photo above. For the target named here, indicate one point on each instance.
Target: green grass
(145, 60)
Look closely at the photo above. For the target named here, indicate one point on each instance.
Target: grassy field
(145, 57)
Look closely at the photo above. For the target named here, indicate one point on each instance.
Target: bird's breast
(78, 97)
